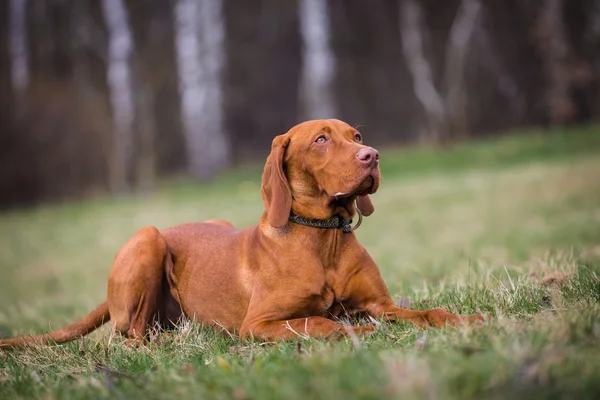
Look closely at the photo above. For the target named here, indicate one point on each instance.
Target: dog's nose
(368, 155)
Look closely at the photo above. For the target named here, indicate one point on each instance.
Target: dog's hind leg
(135, 283)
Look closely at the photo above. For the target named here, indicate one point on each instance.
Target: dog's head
(319, 169)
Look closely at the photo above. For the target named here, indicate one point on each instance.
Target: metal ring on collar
(359, 220)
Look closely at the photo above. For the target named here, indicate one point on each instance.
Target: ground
(508, 227)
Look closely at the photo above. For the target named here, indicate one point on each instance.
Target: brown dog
(289, 275)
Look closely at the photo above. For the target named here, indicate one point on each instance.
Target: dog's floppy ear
(364, 205)
(275, 190)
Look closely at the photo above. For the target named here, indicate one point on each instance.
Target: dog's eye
(357, 137)
(321, 139)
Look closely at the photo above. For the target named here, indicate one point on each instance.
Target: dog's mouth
(368, 185)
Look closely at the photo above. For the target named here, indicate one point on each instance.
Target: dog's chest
(325, 301)
(329, 303)
(331, 299)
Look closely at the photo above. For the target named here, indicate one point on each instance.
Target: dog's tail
(85, 325)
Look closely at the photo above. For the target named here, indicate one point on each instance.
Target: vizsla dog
(290, 275)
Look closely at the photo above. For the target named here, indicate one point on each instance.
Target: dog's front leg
(436, 317)
(318, 327)
(368, 292)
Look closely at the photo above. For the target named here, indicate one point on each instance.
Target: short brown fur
(275, 280)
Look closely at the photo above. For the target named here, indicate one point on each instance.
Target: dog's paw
(367, 330)
(135, 343)
(351, 331)
(477, 319)
(439, 318)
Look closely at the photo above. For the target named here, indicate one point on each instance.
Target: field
(507, 227)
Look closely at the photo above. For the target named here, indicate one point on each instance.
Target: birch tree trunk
(318, 61)
(119, 82)
(19, 55)
(199, 31)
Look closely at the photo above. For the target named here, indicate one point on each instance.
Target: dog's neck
(334, 222)
(324, 207)
(326, 244)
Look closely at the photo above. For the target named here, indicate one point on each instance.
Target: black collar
(335, 222)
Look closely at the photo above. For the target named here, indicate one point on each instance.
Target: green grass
(508, 227)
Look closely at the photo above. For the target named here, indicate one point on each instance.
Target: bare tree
(119, 81)
(593, 38)
(19, 54)
(148, 36)
(457, 48)
(445, 109)
(411, 21)
(199, 43)
(318, 61)
(552, 43)
(491, 58)
(145, 168)
(593, 31)
(88, 51)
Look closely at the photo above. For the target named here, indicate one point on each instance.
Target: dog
(291, 275)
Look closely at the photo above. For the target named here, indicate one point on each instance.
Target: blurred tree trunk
(457, 49)
(14, 79)
(372, 83)
(6, 85)
(89, 54)
(146, 28)
(8, 139)
(593, 38)
(119, 81)
(318, 61)
(19, 54)
(554, 48)
(261, 75)
(146, 132)
(91, 108)
(411, 25)
(445, 108)
(199, 38)
(491, 58)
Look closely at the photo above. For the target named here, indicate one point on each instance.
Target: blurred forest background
(111, 95)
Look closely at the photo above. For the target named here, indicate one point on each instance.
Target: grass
(508, 227)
